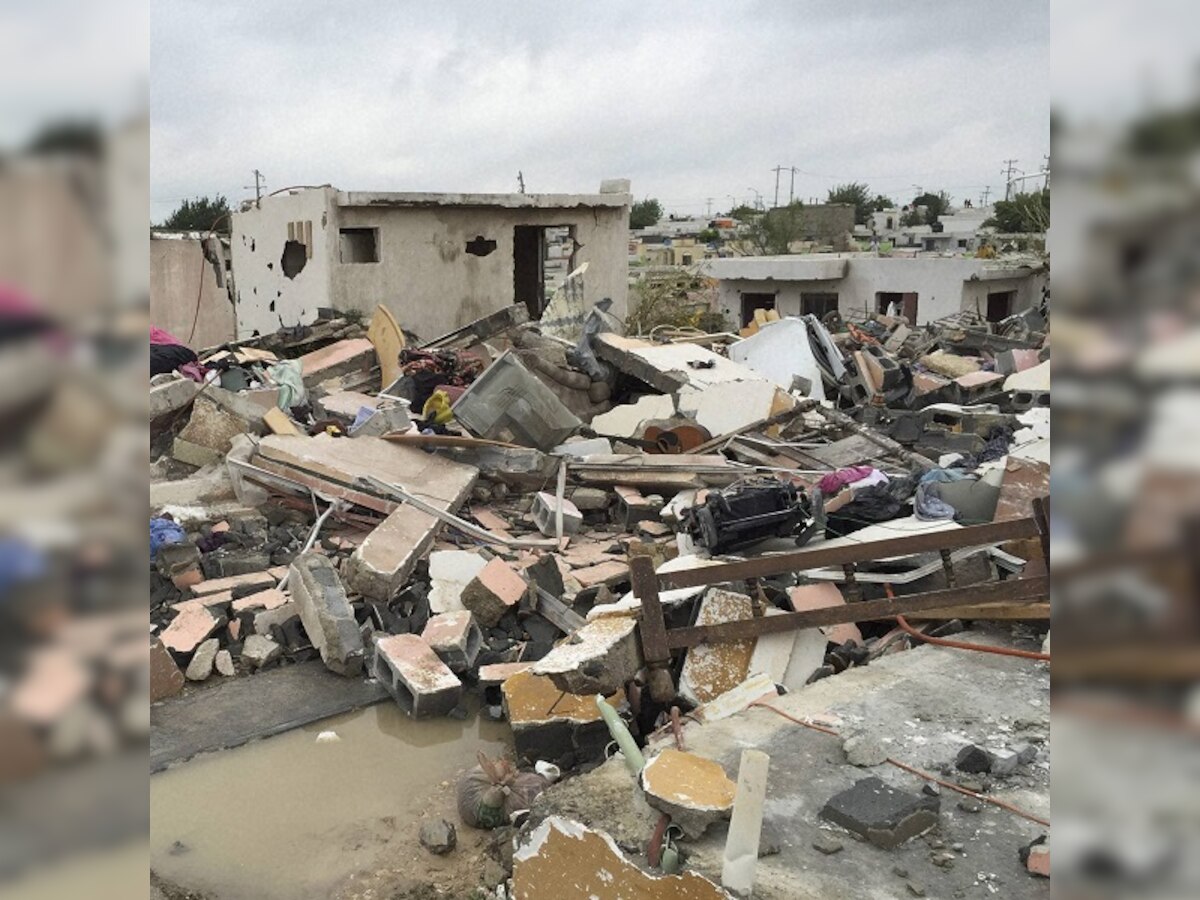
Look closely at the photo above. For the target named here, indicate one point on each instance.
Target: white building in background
(923, 288)
(437, 261)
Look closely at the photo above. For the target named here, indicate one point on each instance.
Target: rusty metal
(948, 568)
(822, 557)
(853, 588)
(1012, 591)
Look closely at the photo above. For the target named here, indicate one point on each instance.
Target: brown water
(289, 817)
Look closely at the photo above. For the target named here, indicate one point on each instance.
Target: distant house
(923, 288)
(437, 261)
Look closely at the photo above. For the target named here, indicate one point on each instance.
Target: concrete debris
(692, 790)
(326, 613)
(421, 534)
(563, 858)
(885, 816)
(598, 659)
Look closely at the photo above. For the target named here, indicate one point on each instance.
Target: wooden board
(384, 332)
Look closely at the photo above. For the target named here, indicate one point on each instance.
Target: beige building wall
(423, 272)
(178, 272)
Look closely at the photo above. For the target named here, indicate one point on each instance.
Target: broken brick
(885, 816)
(188, 629)
(455, 638)
(493, 592)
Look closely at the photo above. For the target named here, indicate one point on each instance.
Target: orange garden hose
(964, 645)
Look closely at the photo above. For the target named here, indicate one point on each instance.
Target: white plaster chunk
(628, 419)
(449, 572)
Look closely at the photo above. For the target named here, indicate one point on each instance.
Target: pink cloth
(833, 482)
(158, 336)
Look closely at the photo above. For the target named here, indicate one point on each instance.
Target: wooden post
(653, 629)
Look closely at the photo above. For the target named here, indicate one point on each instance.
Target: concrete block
(338, 358)
(165, 678)
(550, 725)
(455, 638)
(386, 419)
(203, 659)
(194, 454)
(421, 684)
(450, 571)
(591, 499)
(212, 427)
(1023, 401)
(258, 650)
(545, 509)
(326, 614)
(172, 393)
(188, 629)
(493, 592)
(710, 670)
(632, 507)
(276, 617)
(599, 658)
(692, 790)
(885, 816)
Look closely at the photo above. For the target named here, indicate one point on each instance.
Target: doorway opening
(905, 304)
(1000, 305)
(751, 302)
(543, 256)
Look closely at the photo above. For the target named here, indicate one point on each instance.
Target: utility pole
(259, 183)
(1007, 172)
(777, 170)
(708, 210)
(792, 189)
(758, 204)
(983, 198)
(521, 181)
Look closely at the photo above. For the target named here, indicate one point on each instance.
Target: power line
(1007, 172)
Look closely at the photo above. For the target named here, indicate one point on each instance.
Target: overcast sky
(689, 101)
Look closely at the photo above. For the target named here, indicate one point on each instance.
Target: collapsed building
(687, 546)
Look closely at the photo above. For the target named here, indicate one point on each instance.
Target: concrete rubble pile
(460, 520)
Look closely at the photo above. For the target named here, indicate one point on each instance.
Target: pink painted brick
(455, 638)
(188, 629)
(216, 585)
(421, 684)
(493, 592)
(821, 596)
(271, 598)
(498, 673)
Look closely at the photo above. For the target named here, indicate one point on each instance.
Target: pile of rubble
(491, 512)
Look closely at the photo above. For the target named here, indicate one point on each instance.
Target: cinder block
(493, 592)
(421, 684)
(325, 611)
(545, 507)
(455, 638)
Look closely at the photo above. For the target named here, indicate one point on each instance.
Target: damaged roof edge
(502, 201)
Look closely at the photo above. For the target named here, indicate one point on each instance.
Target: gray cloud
(688, 100)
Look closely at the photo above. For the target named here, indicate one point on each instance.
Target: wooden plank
(993, 611)
(821, 557)
(275, 419)
(1013, 591)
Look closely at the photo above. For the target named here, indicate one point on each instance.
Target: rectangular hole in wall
(753, 301)
(904, 304)
(1000, 305)
(358, 245)
(818, 303)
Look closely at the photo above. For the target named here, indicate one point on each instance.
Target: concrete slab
(779, 352)
(232, 712)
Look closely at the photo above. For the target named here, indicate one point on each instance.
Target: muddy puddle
(292, 817)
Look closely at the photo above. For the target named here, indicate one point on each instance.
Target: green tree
(744, 213)
(708, 235)
(1024, 214)
(855, 194)
(199, 214)
(774, 231)
(880, 203)
(82, 137)
(645, 213)
(936, 205)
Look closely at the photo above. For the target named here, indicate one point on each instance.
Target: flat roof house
(437, 261)
(924, 289)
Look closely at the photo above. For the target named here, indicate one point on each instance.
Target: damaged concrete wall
(282, 260)
(433, 284)
(178, 271)
(422, 260)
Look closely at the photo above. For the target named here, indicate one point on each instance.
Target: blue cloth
(19, 562)
(164, 532)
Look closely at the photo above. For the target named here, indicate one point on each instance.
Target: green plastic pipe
(634, 760)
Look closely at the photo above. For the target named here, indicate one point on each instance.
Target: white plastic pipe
(745, 826)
